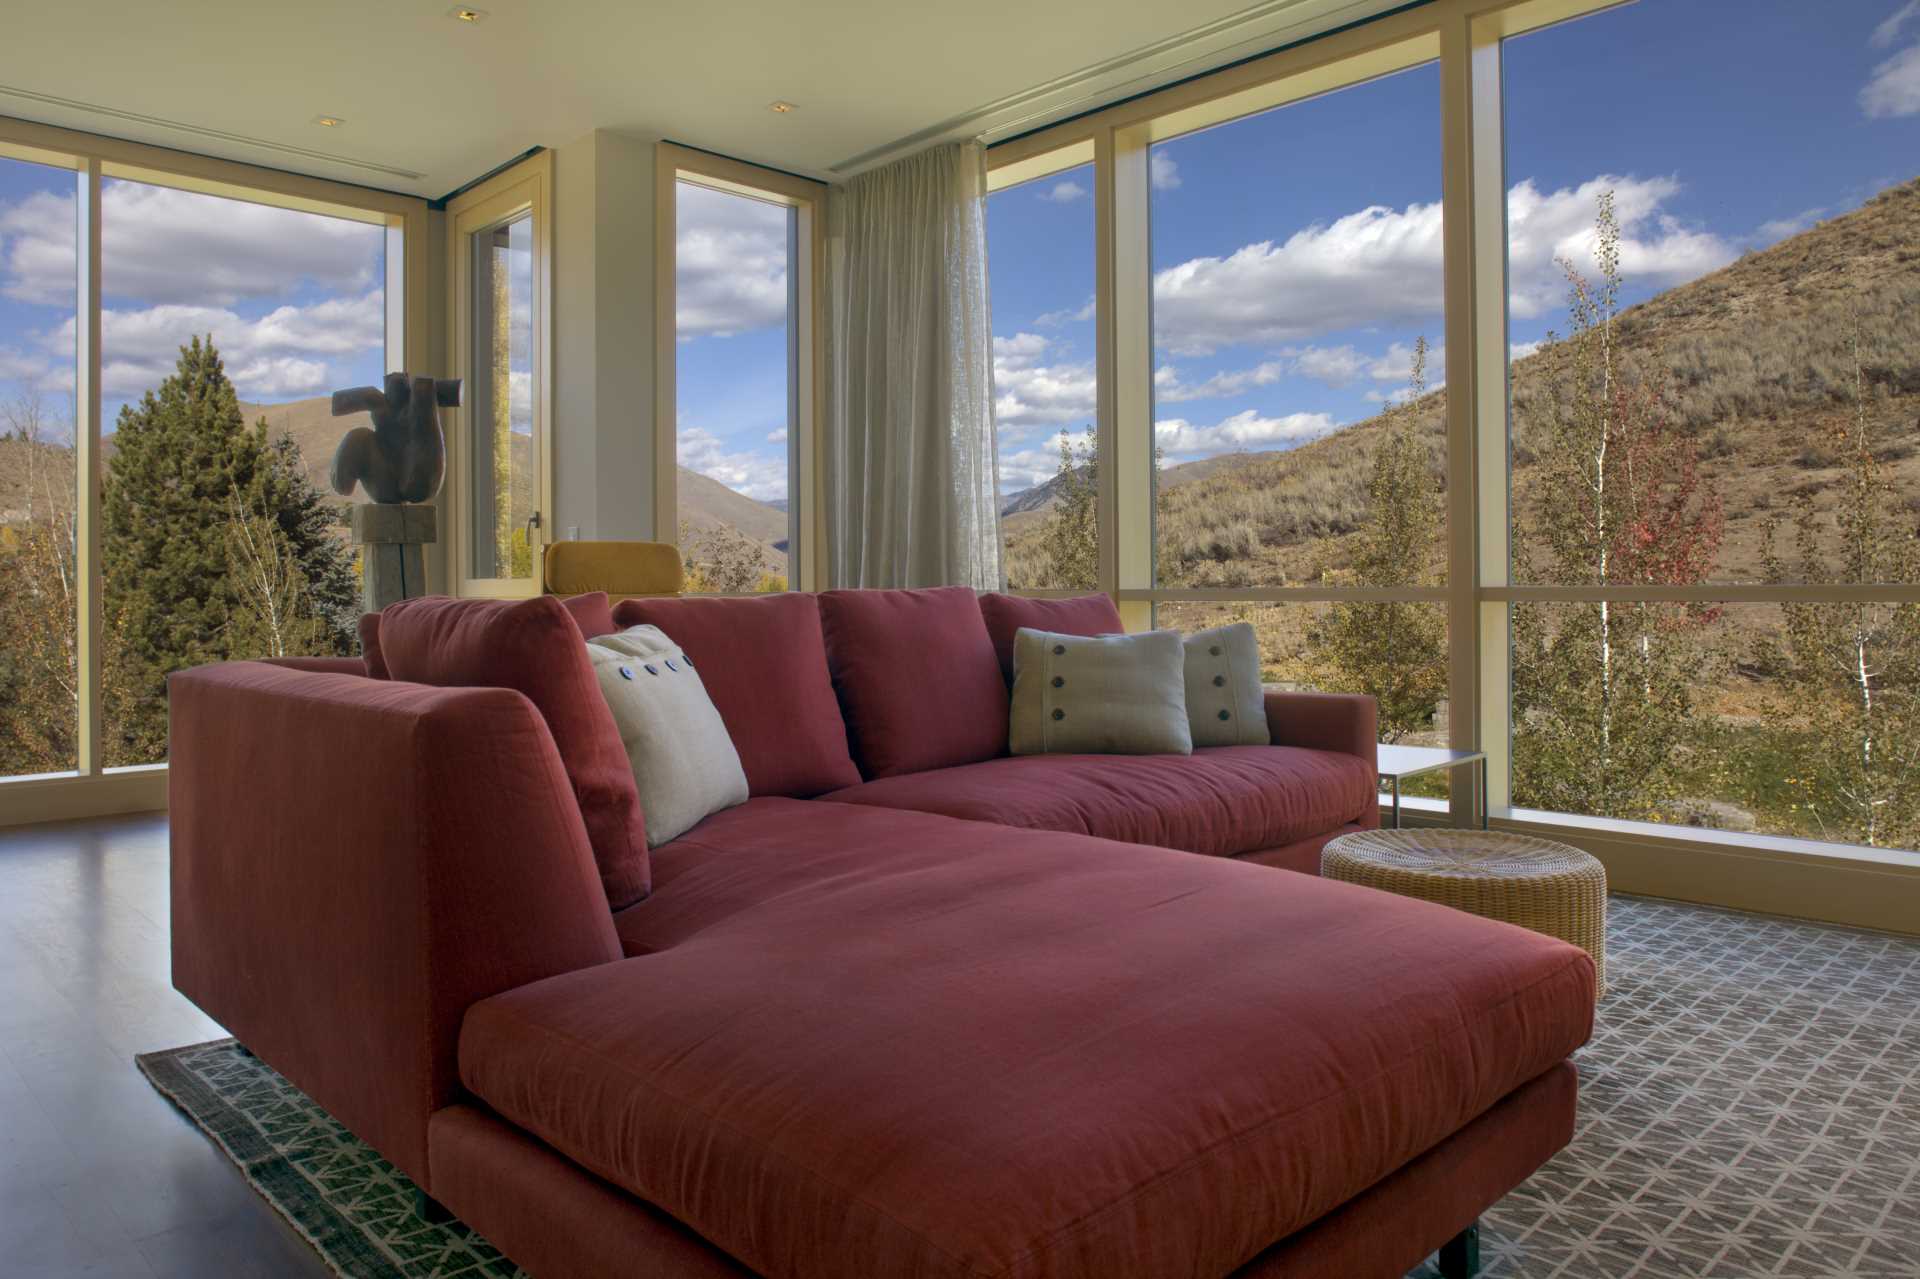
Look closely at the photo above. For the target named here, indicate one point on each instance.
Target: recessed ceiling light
(781, 108)
(328, 121)
(461, 13)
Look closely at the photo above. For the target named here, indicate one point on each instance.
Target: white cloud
(1070, 315)
(1521, 350)
(1889, 31)
(1029, 394)
(1781, 228)
(1246, 429)
(161, 245)
(282, 355)
(25, 367)
(1169, 389)
(1893, 90)
(1024, 468)
(1162, 171)
(730, 266)
(777, 437)
(759, 476)
(1382, 266)
(1064, 192)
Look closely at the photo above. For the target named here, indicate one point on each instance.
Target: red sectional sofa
(916, 1008)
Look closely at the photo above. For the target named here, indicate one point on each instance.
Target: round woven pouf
(1536, 883)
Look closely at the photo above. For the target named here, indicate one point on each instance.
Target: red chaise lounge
(914, 1009)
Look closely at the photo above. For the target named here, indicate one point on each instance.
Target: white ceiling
(430, 103)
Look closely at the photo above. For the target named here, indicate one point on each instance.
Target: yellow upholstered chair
(621, 569)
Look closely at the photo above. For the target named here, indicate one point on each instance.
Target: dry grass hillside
(1761, 354)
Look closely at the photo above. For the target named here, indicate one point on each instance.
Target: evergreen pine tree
(184, 463)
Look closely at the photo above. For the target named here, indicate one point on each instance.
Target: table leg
(1396, 802)
(1483, 794)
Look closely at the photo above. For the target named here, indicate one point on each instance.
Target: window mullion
(89, 624)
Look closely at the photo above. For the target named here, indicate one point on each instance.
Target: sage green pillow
(1226, 706)
(1099, 695)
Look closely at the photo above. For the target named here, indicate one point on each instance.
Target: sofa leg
(1460, 1255)
(429, 1209)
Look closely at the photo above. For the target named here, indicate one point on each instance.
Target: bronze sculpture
(404, 457)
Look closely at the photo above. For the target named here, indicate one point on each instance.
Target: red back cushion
(917, 678)
(1081, 615)
(590, 612)
(765, 667)
(535, 647)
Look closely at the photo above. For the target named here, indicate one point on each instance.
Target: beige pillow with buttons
(1225, 704)
(1098, 695)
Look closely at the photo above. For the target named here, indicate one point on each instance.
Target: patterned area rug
(1749, 1107)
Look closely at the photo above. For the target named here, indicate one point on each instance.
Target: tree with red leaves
(1603, 690)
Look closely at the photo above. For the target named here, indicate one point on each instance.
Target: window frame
(806, 504)
(526, 187)
(1782, 874)
(91, 789)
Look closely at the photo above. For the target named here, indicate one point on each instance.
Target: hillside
(704, 502)
(1762, 362)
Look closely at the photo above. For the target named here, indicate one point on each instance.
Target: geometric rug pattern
(1749, 1108)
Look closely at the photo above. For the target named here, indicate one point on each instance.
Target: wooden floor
(99, 1174)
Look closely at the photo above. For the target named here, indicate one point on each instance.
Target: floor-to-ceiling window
(169, 339)
(1545, 376)
(225, 325)
(1715, 309)
(1040, 244)
(39, 471)
(744, 244)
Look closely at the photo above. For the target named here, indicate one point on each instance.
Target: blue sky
(1296, 254)
(294, 300)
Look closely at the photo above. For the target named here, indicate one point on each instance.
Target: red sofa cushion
(1081, 615)
(1220, 800)
(917, 678)
(764, 663)
(535, 647)
(1046, 1055)
(590, 612)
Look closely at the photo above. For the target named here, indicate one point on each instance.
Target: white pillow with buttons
(1098, 695)
(1226, 706)
(684, 763)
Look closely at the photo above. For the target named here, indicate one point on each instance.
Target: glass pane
(1799, 719)
(1395, 653)
(38, 657)
(502, 398)
(1040, 243)
(1715, 345)
(1299, 401)
(737, 386)
(225, 326)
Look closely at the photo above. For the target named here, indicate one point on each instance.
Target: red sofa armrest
(355, 863)
(321, 665)
(1343, 722)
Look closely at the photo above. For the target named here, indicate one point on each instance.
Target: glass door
(497, 441)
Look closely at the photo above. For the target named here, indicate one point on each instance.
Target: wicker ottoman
(1522, 879)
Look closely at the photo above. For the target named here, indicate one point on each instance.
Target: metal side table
(1397, 763)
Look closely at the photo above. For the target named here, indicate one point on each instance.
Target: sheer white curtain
(911, 498)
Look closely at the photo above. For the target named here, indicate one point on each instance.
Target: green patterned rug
(354, 1207)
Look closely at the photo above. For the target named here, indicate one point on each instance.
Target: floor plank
(99, 1174)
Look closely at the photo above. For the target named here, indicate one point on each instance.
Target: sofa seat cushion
(1222, 800)
(764, 663)
(924, 1047)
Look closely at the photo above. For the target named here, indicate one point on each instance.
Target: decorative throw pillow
(1080, 615)
(916, 676)
(1225, 704)
(765, 666)
(684, 764)
(534, 647)
(1104, 695)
